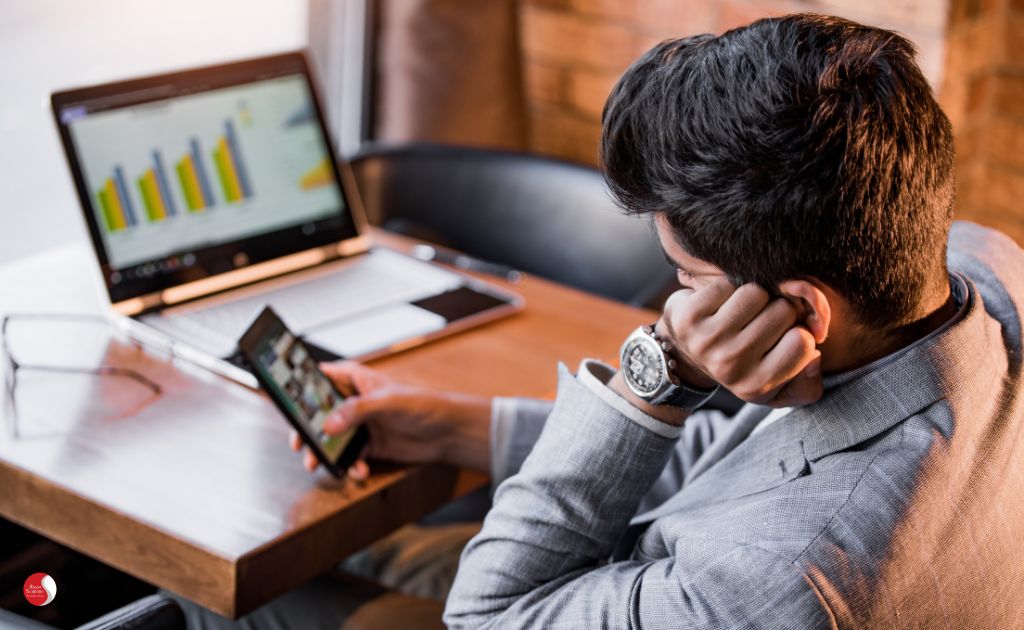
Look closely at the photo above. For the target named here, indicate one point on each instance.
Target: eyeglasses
(12, 365)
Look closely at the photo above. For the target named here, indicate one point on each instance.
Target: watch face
(642, 366)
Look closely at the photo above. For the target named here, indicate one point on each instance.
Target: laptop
(214, 192)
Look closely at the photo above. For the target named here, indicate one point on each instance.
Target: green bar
(183, 180)
(147, 199)
(108, 212)
(222, 172)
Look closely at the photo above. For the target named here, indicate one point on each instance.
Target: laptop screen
(193, 174)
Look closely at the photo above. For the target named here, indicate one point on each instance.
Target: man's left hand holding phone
(376, 417)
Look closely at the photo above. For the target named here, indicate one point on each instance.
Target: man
(805, 155)
(799, 174)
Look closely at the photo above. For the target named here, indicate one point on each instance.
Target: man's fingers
(359, 471)
(355, 378)
(351, 413)
(741, 307)
(804, 389)
(686, 306)
(295, 441)
(344, 368)
(345, 375)
(688, 309)
(309, 460)
(357, 410)
(710, 297)
(794, 351)
(763, 333)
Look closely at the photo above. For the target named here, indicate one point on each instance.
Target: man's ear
(813, 303)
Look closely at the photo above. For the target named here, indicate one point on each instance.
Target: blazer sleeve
(516, 424)
(540, 558)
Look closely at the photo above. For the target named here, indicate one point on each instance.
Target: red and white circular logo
(40, 589)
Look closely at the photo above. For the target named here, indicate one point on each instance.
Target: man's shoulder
(989, 258)
(966, 236)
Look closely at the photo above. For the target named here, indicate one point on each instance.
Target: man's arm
(538, 560)
(516, 425)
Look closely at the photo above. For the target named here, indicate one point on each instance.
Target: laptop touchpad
(376, 330)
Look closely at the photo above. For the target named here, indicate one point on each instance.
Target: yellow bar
(230, 173)
(191, 183)
(146, 201)
(153, 190)
(120, 222)
(108, 210)
(319, 175)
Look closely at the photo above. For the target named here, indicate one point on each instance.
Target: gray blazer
(896, 501)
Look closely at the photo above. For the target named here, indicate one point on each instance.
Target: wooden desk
(198, 493)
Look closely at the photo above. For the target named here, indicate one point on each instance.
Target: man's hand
(406, 424)
(744, 340)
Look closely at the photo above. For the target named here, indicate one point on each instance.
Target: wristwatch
(649, 372)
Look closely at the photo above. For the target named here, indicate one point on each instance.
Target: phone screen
(286, 366)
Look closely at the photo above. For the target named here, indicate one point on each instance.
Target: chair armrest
(156, 612)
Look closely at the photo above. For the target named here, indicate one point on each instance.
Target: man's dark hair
(798, 146)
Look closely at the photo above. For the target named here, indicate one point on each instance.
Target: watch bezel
(640, 336)
(671, 390)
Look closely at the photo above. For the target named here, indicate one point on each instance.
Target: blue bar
(243, 175)
(197, 161)
(122, 190)
(165, 189)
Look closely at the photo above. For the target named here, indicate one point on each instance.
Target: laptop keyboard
(375, 279)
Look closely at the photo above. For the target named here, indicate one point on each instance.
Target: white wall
(47, 45)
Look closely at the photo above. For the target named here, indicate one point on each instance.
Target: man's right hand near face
(743, 339)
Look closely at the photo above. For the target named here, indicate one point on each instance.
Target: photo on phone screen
(284, 366)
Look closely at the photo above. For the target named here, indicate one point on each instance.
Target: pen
(469, 263)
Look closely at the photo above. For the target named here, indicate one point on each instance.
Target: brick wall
(983, 94)
(573, 50)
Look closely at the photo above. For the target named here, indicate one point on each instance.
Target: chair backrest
(543, 216)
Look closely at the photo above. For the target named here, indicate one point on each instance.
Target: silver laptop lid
(203, 180)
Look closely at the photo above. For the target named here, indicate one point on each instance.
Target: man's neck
(863, 349)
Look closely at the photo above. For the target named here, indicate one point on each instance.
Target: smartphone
(286, 369)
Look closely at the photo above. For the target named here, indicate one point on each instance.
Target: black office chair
(542, 216)
(155, 612)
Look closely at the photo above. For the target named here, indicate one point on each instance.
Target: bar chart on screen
(158, 198)
(192, 170)
(192, 178)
